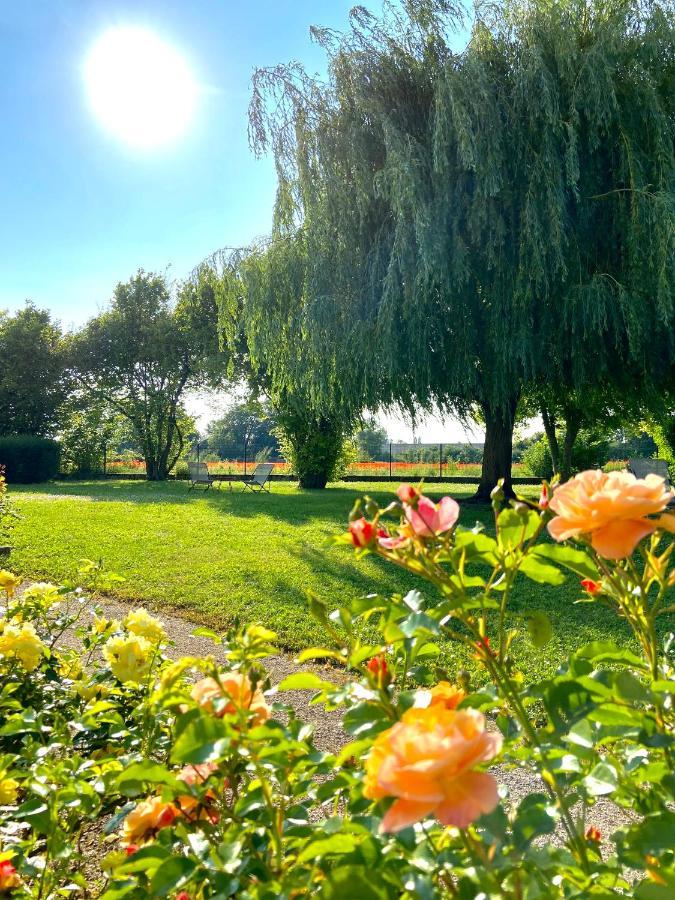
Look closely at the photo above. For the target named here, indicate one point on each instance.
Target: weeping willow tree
(265, 314)
(479, 221)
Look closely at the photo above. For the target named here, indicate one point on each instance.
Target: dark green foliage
(479, 222)
(313, 446)
(265, 306)
(590, 451)
(28, 459)
(32, 384)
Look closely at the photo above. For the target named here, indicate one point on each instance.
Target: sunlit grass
(223, 554)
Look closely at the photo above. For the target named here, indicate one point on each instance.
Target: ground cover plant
(207, 786)
(221, 554)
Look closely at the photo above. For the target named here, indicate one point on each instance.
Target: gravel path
(328, 732)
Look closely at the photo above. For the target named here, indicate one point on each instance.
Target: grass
(223, 554)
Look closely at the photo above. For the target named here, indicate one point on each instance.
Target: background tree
(371, 439)
(248, 424)
(32, 382)
(266, 307)
(89, 429)
(144, 352)
(478, 221)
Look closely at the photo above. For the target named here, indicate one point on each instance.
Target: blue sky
(82, 211)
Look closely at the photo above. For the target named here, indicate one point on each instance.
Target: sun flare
(140, 88)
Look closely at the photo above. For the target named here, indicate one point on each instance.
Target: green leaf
(602, 780)
(365, 720)
(347, 882)
(575, 560)
(541, 572)
(607, 651)
(534, 818)
(655, 834)
(477, 547)
(539, 627)
(321, 653)
(146, 859)
(131, 781)
(335, 844)
(172, 875)
(304, 681)
(516, 526)
(202, 740)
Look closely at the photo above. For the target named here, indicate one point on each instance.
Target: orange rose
(9, 877)
(146, 819)
(198, 807)
(426, 761)
(444, 694)
(610, 508)
(232, 693)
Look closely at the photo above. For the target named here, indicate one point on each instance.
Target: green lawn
(220, 554)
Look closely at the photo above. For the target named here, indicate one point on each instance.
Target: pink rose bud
(407, 493)
(544, 497)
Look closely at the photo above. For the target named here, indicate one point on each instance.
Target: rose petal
(403, 813)
(618, 539)
(467, 798)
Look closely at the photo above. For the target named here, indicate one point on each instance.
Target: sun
(140, 88)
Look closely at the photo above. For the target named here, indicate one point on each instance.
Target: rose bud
(362, 532)
(591, 587)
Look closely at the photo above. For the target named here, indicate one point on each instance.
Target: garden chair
(643, 467)
(199, 474)
(260, 478)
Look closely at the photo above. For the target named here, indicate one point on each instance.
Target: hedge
(28, 459)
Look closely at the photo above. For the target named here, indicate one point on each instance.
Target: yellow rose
(22, 643)
(89, 690)
(70, 666)
(128, 657)
(8, 582)
(140, 622)
(9, 789)
(45, 593)
(101, 625)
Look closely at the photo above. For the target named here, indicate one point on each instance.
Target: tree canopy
(144, 352)
(32, 382)
(474, 222)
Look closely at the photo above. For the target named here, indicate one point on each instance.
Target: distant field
(373, 467)
(225, 553)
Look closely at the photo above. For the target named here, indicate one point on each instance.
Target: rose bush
(194, 780)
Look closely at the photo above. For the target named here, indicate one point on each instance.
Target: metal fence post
(390, 459)
(245, 442)
(440, 460)
(105, 458)
(197, 451)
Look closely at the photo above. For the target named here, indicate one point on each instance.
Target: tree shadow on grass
(292, 505)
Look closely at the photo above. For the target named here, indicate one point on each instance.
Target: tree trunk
(313, 480)
(498, 450)
(551, 437)
(573, 422)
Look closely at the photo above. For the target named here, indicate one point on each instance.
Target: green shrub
(590, 452)
(537, 459)
(28, 459)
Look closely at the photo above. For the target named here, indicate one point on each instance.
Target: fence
(393, 461)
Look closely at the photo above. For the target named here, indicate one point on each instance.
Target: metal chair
(199, 474)
(260, 478)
